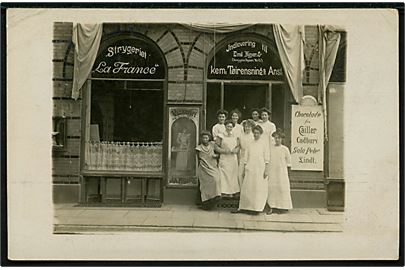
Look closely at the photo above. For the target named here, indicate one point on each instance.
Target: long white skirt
(228, 169)
(254, 190)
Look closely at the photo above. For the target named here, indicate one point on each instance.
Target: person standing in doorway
(235, 116)
(244, 141)
(255, 115)
(279, 195)
(227, 144)
(219, 127)
(254, 189)
(208, 172)
(268, 127)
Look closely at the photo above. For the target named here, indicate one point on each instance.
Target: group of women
(245, 160)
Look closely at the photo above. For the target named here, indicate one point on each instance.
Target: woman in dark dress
(208, 172)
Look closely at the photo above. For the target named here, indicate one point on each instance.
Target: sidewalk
(71, 219)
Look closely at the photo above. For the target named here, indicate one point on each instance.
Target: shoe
(269, 212)
(237, 211)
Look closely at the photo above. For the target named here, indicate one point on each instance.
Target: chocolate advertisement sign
(307, 138)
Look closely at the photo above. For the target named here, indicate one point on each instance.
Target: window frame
(86, 111)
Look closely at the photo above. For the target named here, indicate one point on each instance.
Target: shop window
(125, 106)
(126, 126)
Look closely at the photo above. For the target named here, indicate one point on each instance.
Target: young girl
(208, 173)
(279, 196)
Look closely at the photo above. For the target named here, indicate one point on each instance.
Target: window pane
(126, 126)
(127, 115)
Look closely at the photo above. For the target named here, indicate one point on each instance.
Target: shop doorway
(245, 72)
(243, 97)
(246, 96)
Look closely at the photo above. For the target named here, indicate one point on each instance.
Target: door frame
(222, 90)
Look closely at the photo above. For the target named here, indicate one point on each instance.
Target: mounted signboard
(131, 58)
(307, 137)
(246, 58)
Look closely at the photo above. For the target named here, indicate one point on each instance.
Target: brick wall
(65, 169)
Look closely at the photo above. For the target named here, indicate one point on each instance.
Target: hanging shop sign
(183, 138)
(246, 59)
(307, 138)
(130, 58)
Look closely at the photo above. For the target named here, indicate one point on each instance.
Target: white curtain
(86, 38)
(290, 45)
(329, 40)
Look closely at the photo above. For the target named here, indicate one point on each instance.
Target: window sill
(122, 173)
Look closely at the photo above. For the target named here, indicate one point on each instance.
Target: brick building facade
(186, 55)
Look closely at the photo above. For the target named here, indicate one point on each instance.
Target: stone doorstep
(332, 213)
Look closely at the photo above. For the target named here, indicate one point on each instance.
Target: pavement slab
(67, 212)
(271, 226)
(220, 223)
(185, 221)
(158, 221)
(101, 213)
(71, 219)
(305, 227)
(323, 211)
(289, 217)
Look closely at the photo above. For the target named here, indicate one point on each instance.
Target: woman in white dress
(227, 145)
(219, 127)
(253, 195)
(279, 196)
(235, 116)
(245, 139)
(268, 127)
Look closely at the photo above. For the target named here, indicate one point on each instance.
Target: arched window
(125, 113)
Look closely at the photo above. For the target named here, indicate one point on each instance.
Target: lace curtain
(124, 156)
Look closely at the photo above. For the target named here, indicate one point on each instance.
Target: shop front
(124, 123)
(152, 89)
